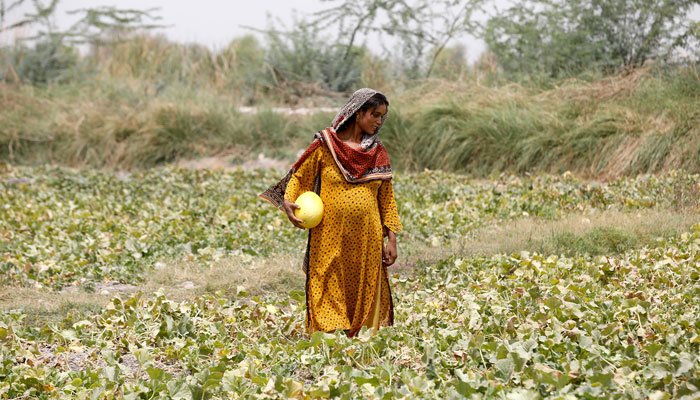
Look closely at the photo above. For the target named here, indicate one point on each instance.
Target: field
(174, 283)
(552, 215)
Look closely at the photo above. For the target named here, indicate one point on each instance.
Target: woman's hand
(289, 208)
(389, 253)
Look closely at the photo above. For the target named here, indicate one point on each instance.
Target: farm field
(174, 283)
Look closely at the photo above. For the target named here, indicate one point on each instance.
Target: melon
(310, 209)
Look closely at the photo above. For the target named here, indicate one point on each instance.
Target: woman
(345, 264)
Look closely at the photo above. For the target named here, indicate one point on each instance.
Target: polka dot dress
(346, 279)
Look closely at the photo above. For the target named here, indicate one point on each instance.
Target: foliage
(514, 326)
(302, 55)
(51, 55)
(641, 122)
(599, 241)
(561, 38)
(110, 123)
(242, 61)
(45, 62)
(625, 125)
(430, 25)
(69, 227)
(422, 28)
(451, 63)
(92, 23)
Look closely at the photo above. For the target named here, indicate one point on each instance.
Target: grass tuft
(601, 240)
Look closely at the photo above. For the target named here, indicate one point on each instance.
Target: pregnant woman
(347, 286)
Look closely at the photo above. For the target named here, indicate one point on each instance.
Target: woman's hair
(373, 102)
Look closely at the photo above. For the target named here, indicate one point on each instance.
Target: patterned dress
(347, 284)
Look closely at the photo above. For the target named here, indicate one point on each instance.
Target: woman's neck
(353, 134)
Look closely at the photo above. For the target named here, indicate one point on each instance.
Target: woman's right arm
(301, 181)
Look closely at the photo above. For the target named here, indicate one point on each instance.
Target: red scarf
(356, 165)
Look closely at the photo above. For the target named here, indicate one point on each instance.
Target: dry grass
(181, 280)
(278, 273)
(529, 234)
(639, 122)
(622, 125)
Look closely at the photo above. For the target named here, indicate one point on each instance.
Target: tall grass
(643, 122)
(112, 124)
(149, 101)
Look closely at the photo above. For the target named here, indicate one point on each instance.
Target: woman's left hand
(390, 253)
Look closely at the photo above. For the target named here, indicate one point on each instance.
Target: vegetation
(422, 28)
(623, 125)
(561, 37)
(563, 323)
(139, 100)
(124, 277)
(66, 227)
(641, 122)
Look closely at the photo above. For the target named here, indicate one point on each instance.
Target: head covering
(368, 162)
(357, 100)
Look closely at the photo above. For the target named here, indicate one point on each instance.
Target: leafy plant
(300, 58)
(519, 325)
(203, 216)
(564, 37)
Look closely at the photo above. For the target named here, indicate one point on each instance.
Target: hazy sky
(215, 22)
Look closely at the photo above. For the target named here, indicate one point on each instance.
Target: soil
(223, 163)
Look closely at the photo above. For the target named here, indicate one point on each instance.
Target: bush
(301, 55)
(47, 62)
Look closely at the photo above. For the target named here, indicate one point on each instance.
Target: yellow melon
(311, 209)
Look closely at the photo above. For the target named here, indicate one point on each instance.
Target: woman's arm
(390, 221)
(390, 251)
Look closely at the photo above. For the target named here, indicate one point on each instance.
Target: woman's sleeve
(387, 207)
(303, 179)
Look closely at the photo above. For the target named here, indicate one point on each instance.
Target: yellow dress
(346, 281)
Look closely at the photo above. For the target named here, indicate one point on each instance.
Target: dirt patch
(300, 111)
(224, 163)
(76, 358)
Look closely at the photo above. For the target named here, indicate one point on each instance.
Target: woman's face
(370, 120)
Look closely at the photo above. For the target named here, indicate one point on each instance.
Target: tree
(422, 27)
(92, 25)
(52, 55)
(558, 37)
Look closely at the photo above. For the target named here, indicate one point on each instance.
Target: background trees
(49, 54)
(563, 37)
(422, 29)
(330, 51)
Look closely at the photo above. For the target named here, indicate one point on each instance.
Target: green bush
(301, 55)
(46, 62)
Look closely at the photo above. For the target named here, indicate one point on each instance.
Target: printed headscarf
(357, 100)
